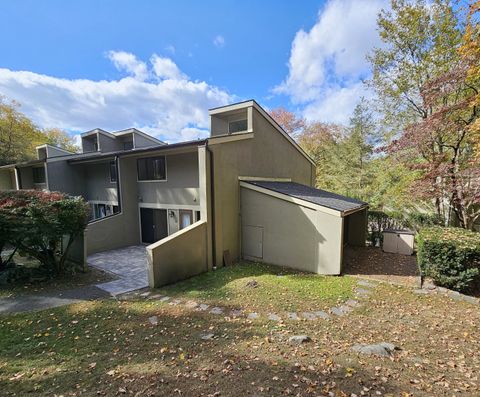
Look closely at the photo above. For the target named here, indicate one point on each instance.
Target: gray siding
(109, 144)
(97, 183)
(141, 141)
(66, 178)
(181, 186)
(119, 230)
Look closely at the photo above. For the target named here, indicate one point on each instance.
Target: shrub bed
(450, 256)
(42, 225)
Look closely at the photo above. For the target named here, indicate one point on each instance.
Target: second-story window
(152, 169)
(113, 171)
(39, 175)
(237, 126)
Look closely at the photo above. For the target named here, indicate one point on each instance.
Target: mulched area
(373, 263)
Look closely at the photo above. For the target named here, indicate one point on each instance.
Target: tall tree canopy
(19, 135)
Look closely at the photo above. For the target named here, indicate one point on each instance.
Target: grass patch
(278, 289)
(109, 348)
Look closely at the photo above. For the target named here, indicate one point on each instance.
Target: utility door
(252, 242)
(153, 224)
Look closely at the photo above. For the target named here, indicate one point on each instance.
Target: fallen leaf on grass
(17, 376)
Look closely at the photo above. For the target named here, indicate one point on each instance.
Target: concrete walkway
(26, 303)
(128, 264)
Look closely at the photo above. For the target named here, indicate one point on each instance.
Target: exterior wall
(63, 177)
(108, 144)
(7, 179)
(357, 228)
(26, 178)
(140, 141)
(97, 182)
(268, 154)
(179, 256)
(181, 186)
(87, 143)
(55, 152)
(293, 235)
(120, 230)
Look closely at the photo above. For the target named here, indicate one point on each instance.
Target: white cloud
(336, 104)
(167, 104)
(219, 41)
(328, 61)
(125, 61)
(165, 68)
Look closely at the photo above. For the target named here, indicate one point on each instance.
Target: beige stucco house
(244, 192)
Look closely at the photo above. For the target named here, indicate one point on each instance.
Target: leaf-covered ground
(109, 348)
(63, 282)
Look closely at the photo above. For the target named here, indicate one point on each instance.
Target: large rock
(383, 349)
(299, 339)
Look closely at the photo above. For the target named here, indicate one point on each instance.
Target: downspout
(212, 203)
(119, 195)
(19, 177)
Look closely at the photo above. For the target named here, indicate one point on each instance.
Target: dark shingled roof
(317, 196)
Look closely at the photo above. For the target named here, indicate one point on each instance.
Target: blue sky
(159, 65)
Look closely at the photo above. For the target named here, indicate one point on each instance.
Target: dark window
(152, 169)
(197, 215)
(113, 171)
(39, 175)
(128, 145)
(237, 126)
(95, 145)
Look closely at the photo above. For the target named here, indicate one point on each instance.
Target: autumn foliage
(41, 224)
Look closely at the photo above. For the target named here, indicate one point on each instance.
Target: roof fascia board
(352, 211)
(291, 199)
(97, 131)
(259, 178)
(230, 138)
(141, 133)
(229, 108)
(47, 145)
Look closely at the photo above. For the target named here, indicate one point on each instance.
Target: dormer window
(237, 126)
(128, 145)
(95, 145)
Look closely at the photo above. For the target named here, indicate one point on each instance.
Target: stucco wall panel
(293, 235)
(268, 154)
(178, 256)
(181, 186)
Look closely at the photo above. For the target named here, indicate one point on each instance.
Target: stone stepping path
(363, 290)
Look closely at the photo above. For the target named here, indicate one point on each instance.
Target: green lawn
(109, 347)
(278, 289)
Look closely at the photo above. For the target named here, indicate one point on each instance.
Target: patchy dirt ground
(370, 262)
(110, 348)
